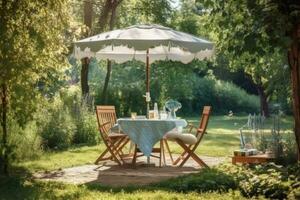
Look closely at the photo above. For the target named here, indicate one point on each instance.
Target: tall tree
(87, 20)
(31, 43)
(108, 17)
(145, 11)
(271, 24)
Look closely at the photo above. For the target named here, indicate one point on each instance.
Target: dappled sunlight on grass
(15, 188)
(68, 158)
(211, 131)
(222, 139)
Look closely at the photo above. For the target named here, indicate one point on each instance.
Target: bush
(171, 80)
(223, 96)
(269, 180)
(23, 143)
(83, 115)
(204, 181)
(264, 137)
(65, 120)
(58, 126)
(86, 127)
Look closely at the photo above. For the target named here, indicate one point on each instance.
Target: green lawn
(221, 140)
(27, 189)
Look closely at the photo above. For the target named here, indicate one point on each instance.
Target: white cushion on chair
(186, 138)
(115, 129)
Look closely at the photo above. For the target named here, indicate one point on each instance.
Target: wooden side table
(257, 159)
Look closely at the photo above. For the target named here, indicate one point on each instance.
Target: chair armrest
(191, 127)
(106, 123)
(200, 130)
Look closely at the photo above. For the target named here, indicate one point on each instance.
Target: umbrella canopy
(130, 43)
(146, 43)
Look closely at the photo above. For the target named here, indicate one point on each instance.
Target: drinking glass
(163, 114)
(151, 114)
(133, 115)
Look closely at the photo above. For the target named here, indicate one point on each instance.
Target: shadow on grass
(23, 187)
(207, 180)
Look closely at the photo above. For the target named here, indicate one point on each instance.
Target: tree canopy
(32, 46)
(255, 30)
(257, 52)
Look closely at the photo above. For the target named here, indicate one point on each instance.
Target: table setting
(146, 132)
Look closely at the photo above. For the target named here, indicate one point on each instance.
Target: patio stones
(113, 175)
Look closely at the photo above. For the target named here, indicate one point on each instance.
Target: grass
(223, 135)
(221, 140)
(15, 188)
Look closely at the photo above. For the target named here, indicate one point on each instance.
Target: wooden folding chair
(190, 142)
(106, 117)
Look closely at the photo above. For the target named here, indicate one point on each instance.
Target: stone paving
(113, 175)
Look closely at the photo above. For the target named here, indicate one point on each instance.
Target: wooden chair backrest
(204, 120)
(106, 118)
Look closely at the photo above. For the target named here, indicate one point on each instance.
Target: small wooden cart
(256, 159)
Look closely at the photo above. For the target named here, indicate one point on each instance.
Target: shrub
(23, 143)
(65, 119)
(204, 181)
(81, 111)
(223, 96)
(258, 134)
(270, 180)
(86, 127)
(58, 129)
(171, 80)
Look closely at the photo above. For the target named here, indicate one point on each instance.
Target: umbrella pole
(148, 98)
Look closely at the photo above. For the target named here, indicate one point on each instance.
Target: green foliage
(145, 11)
(30, 48)
(272, 138)
(270, 180)
(20, 188)
(126, 88)
(86, 127)
(83, 116)
(239, 30)
(59, 128)
(68, 120)
(25, 143)
(171, 80)
(208, 180)
(224, 96)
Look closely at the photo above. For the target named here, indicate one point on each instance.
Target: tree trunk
(114, 4)
(264, 107)
(107, 77)
(84, 77)
(87, 19)
(294, 62)
(104, 15)
(88, 14)
(4, 102)
(109, 6)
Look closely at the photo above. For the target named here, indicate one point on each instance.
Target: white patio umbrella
(146, 43)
